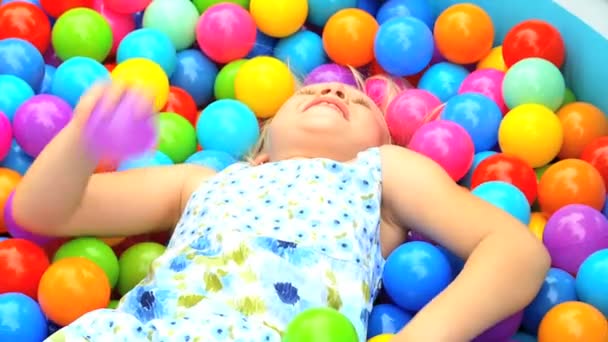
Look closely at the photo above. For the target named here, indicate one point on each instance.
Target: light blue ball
(319, 11)
(228, 125)
(523, 337)
(505, 196)
(592, 281)
(151, 159)
(419, 9)
(17, 159)
(75, 76)
(47, 81)
(443, 80)
(20, 58)
(215, 160)
(151, 44)
(22, 319)
(13, 93)
(386, 319)
(302, 52)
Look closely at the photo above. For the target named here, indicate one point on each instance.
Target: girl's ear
(260, 159)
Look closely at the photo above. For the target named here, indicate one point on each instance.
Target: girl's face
(329, 120)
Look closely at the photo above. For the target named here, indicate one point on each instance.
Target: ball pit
(495, 106)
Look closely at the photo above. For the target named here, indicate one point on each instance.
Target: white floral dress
(257, 245)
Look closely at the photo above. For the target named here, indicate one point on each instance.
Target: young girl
(307, 224)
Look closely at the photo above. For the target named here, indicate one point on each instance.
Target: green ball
(176, 18)
(224, 82)
(176, 136)
(82, 32)
(534, 80)
(202, 5)
(320, 325)
(113, 304)
(569, 97)
(135, 264)
(95, 250)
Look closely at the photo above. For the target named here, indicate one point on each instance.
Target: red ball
(22, 264)
(56, 8)
(533, 38)
(25, 21)
(509, 169)
(596, 154)
(182, 103)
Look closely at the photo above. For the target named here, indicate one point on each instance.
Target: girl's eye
(361, 101)
(306, 91)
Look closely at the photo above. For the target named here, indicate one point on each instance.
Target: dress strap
(371, 160)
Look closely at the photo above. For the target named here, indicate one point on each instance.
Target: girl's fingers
(89, 100)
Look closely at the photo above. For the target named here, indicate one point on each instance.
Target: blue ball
(22, 319)
(34, 2)
(195, 73)
(419, 9)
(478, 115)
(16, 159)
(443, 80)
(415, 273)
(229, 126)
(151, 44)
(456, 263)
(138, 17)
(403, 46)
(13, 93)
(523, 337)
(302, 51)
(605, 209)
(75, 76)
(47, 81)
(20, 58)
(592, 280)
(319, 11)
(152, 159)
(386, 319)
(264, 45)
(477, 159)
(505, 196)
(2, 238)
(559, 286)
(215, 160)
(369, 6)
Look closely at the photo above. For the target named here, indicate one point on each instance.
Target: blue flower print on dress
(147, 303)
(290, 251)
(179, 263)
(205, 247)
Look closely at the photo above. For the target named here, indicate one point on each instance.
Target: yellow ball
(537, 224)
(264, 83)
(146, 75)
(279, 18)
(381, 338)
(531, 132)
(493, 60)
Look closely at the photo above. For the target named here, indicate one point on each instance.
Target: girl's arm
(505, 264)
(60, 196)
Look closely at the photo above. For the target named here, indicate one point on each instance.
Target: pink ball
(226, 32)
(409, 110)
(126, 7)
(448, 144)
(120, 23)
(383, 89)
(487, 82)
(6, 135)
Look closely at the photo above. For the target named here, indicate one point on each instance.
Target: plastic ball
(419, 9)
(22, 264)
(94, 250)
(82, 32)
(224, 82)
(464, 33)
(573, 321)
(215, 160)
(502, 330)
(279, 18)
(415, 273)
(331, 72)
(478, 115)
(47, 81)
(596, 154)
(177, 137)
(448, 144)
(127, 7)
(531, 132)
(151, 44)
(349, 36)
(319, 11)
(320, 325)
(408, 111)
(135, 263)
(493, 60)
(303, 52)
(569, 97)
(22, 319)
(386, 319)
(477, 159)
(39, 120)
(534, 80)
(78, 281)
(592, 279)
(13, 93)
(382, 338)
(26, 21)
(505, 196)
(146, 75)
(571, 181)
(523, 337)
(443, 80)
(13, 228)
(538, 222)
(226, 32)
(403, 46)
(487, 82)
(6, 136)
(21, 59)
(175, 18)
(382, 89)
(582, 123)
(534, 38)
(196, 74)
(180, 102)
(16, 160)
(75, 76)
(203, 5)
(264, 45)
(228, 126)
(573, 233)
(120, 24)
(8, 182)
(150, 159)
(263, 84)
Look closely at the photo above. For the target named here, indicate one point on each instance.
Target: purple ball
(15, 230)
(50, 57)
(574, 232)
(38, 120)
(330, 73)
(503, 330)
(415, 236)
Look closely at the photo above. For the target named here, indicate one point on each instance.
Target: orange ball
(464, 33)
(8, 182)
(582, 123)
(72, 287)
(571, 181)
(573, 322)
(112, 241)
(348, 37)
